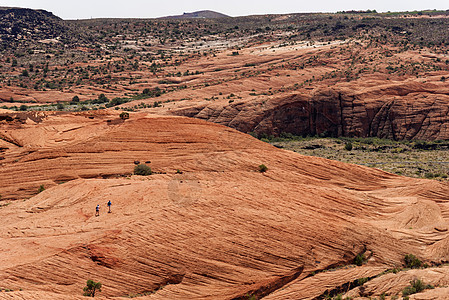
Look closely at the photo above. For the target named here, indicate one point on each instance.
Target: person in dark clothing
(97, 210)
(109, 206)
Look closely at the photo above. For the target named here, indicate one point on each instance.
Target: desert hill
(29, 26)
(348, 74)
(209, 223)
(217, 227)
(271, 90)
(203, 14)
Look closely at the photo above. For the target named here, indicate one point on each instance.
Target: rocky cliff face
(398, 110)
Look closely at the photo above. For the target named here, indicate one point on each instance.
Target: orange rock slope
(207, 224)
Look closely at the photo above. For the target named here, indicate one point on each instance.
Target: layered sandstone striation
(401, 110)
(207, 224)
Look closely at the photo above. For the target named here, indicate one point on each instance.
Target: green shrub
(348, 146)
(416, 286)
(142, 170)
(429, 175)
(124, 115)
(91, 288)
(359, 259)
(412, 262)
(41, 189)
(363, 280)
(263, 168)
(102, 98)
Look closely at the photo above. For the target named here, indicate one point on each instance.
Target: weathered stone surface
(402, 110)
(218, 228)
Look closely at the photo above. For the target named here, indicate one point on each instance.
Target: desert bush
(348, 146)
(41, 189)
(116, 101)
(101, 99)
(415, 286)
(359, 259)
(124, 115)
(91, 288)
(263, 168)
(412, 262)
(143, 170)
(429, 175)
(156, 92)
(362, 281)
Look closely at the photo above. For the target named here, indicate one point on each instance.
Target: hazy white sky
(84, 9)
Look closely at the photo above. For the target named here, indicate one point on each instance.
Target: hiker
(109, 206)
(97, 210)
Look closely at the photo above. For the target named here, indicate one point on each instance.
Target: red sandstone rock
(219, 230)
(398, 110)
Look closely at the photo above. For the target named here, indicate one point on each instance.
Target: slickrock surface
(220, 230)
(393, 284)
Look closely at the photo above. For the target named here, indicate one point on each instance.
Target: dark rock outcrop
(23, 24)
(203, 14)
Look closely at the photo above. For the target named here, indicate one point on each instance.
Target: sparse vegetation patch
(143, 170)
(412, 262)
(91, 288)
(407, 158)
(416, 286)
(263, 168)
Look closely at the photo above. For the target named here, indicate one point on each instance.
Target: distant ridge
(21, 10)
(203, 14)
(25, 26)
(28, 24)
